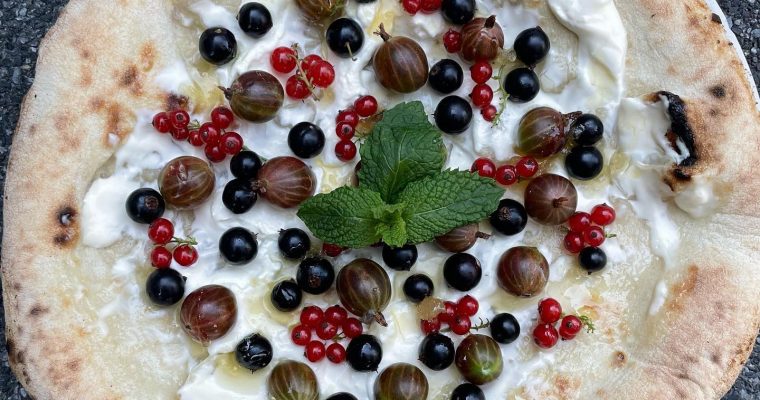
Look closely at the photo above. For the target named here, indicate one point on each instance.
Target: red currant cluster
(587, 230)
(482, 94)
(456, 315)
(546, 334)
(219, 143)
(325, 324)
(507, 174)
(424, 6)
(311, 72)
(346, 122)
(161, 233)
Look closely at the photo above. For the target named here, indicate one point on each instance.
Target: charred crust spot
(38, 310)
(679, 126)
(618, 359)
(66, 216)
(719, 91)
(174, 101)
(130, 79)
(680, 175)
(716, 18)
(62, 239)
(74, 365)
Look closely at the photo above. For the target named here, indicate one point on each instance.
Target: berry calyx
(312, 317)
(526, 167)
(327, 331)
(162, 123)
(545, 336)
(573, 242)
(489, 112)
(321, 73)
(430, 326)
(506, 175)
(481, 72)
(283, 59)
(603, 214)
(344, 130)
(345, 150)
(160, 257)
(185, 255)
(315, 351)
(300, 335)
(222, 117)
(179, 119)
(467, 306)
(484, 167)
(452, 41)
(336, 315)
(352, 327)
(349, 116)
(481, 95)
(366, 106)
(549, 311)
(569, 327)
(336, 353)
(296, 88)
(579, 222)
(461, 325)
(331, 250)
(231, 143)
(161, 231)
(594, 236)
(411, 6)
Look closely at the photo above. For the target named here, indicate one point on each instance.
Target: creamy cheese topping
(594, 85)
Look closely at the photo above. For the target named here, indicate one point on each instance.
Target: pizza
(457, 199)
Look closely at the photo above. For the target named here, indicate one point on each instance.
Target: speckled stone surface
(24, 22)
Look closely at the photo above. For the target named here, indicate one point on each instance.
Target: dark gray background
(24, 22)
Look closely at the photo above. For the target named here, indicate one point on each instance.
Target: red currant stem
(588, 323)
(245, 148)
(481, 325)
(189, 241)
(195, 124)
(610, 235)
(302, 74)
(503, 96)
(445, 330)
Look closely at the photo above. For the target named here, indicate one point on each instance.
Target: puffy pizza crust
(93, 74)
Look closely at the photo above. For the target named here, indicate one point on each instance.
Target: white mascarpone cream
(596, 86)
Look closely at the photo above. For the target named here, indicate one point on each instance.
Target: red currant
(481, 72)
(366, 106)
(179, 118)
(549, 311)
(481, 95)
(352, 327)
(489, 112)
(331, 250)
(309, 60)
(448, 313)
(344, 130)
(215, 152)
(573, 242)
(161, 231)
(506, 175)
(222, 117)
(461, 325)
(569, 327)
(345, 150)
(602, 214)
(484, 167)
(594, 236)
(336, 315)
(162, 123)
(467, 306)
(411, 6)
(430, 6)
(194, 138)
(322, 74)
(312, 316)
(283, 59)
(545, 336)
(327, 331)
(349, 116)
(209, 133)
(232, 143)
(185, 255)
(579, 221)
(179, 133)
(336, 353)
(452, 41)
(301, 335)
(430, 326)
(526, 167)
(315, 351)
(296, 88)
(160, 257)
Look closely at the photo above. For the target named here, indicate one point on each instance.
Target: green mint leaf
(440, 203)
(403, 147)
(391, 224)
(347, 216)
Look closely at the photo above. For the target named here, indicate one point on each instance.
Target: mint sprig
(404, 197)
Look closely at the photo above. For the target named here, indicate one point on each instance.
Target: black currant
(238, 246)
(468, 391)
(254, 19)
(510, 218)
(437, 351)
(592, 259)
(446, 76)
(462, 271)
(145, 205)
(294, 243)
(522, 85)
(254, 352)
(165, 286)
(238, 196)
(245, 165)
(505, 328)
(400, 258)
(286, 296)
(531, 46)
(458, 12)
(584, 162)
(217, 46)
(417, 287)
(343, 395)
(315, 275)
(306, 140)
(587, 130)
(453, 115)
(345, 37)
(364, 353)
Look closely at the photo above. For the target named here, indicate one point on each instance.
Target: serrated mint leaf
(403, 147)
(440, 203)
(391, 224)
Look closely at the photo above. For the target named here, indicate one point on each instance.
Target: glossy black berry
(145, 205)
(254, 19)
(306, 140)
(462, 271)
(165, 286)
(400, 258)
(238, 196)
(468, 391)
(238, 246)
(592, 259)
(531, 46)
(446, 76)
(245, 165)
(522, 85)
(505, 328)
(364, 353)
(584, 162)
(315, 275)
(458, 12)
(453, 115)
(437, 351)
(345, 37)
(294, 243)
(510, 218)
(286, 296)
(254, 352)
(417, 287)
(217, 46)
(343, 395)
(587, 130)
